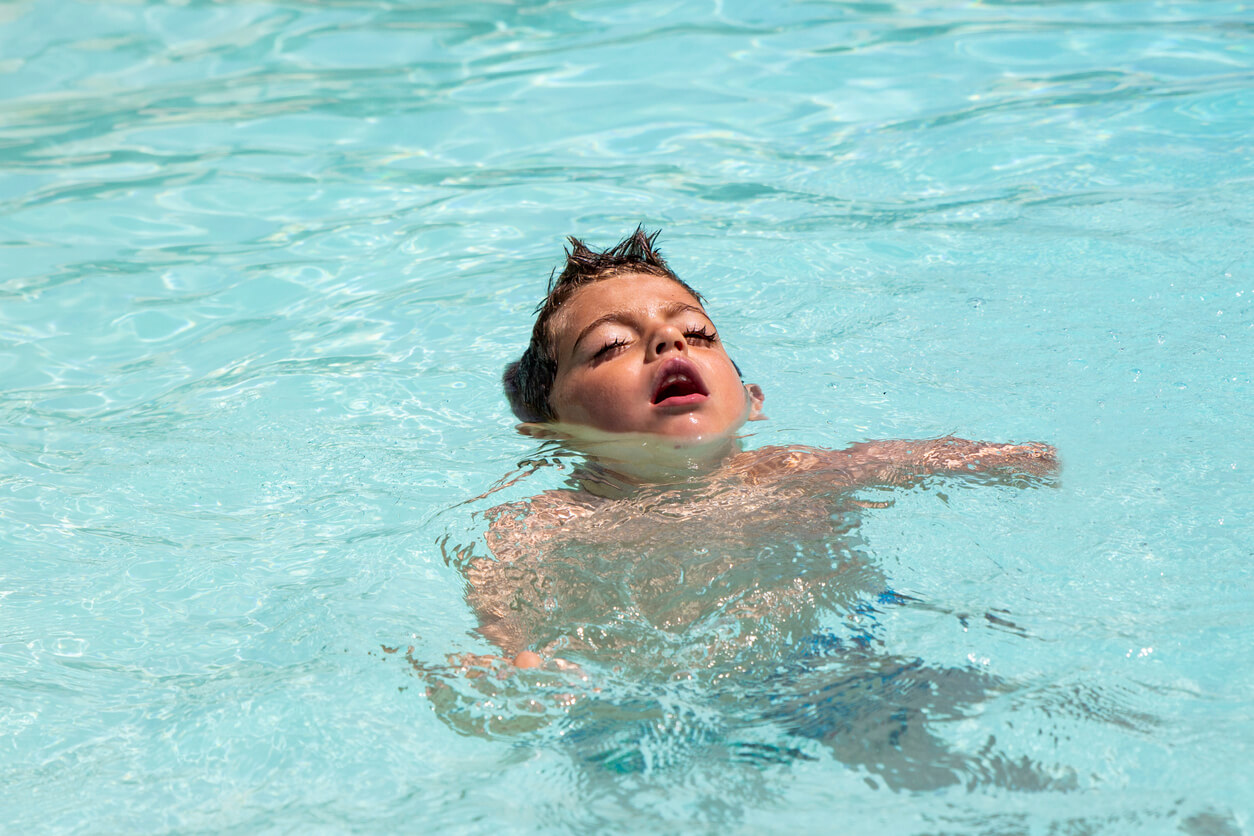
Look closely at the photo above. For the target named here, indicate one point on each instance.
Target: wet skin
(638, 353)
(645, 389)
(672, 531)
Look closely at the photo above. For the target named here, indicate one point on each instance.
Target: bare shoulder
(516, 525)
(767, 463)
(846, 467)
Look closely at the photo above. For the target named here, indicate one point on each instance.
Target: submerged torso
(720, 569)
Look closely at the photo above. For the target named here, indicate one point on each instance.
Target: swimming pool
(263, 263)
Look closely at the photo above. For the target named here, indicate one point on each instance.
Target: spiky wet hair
(529, 380)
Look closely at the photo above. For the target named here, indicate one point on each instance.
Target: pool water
(263, 263)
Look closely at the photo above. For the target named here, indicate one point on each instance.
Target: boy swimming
(626, 367)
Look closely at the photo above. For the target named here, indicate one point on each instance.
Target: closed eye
(701, 334)
(607, 350)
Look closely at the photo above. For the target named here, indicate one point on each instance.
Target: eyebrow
(621, 316)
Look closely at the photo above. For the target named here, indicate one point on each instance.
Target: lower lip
(681, 401)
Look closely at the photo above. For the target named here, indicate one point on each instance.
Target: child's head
(621, 344)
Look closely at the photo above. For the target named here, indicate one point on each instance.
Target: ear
(755, 402)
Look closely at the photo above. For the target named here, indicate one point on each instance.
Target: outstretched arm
(903, 462)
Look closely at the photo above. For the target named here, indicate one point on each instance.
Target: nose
(666, 339)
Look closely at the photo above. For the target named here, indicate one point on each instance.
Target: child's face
(637, 353)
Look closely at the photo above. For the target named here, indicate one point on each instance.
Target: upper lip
(678, 371)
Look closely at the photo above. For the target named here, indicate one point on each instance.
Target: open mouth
(678, 383)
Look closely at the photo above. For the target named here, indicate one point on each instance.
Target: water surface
(262, 265)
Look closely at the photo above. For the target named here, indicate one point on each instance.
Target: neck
(619, 463)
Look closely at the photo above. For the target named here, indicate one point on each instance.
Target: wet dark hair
(529, 380)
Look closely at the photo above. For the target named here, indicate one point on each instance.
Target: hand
(531, 659)
(528, 659)
(1033, 458)
(474, 665)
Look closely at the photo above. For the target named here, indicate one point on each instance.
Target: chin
(698, 434)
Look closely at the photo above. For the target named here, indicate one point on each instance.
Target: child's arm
(502, 588)
(903, 462)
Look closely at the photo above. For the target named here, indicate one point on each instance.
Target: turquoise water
(262, 264)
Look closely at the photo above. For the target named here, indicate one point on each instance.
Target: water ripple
(262, 265)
